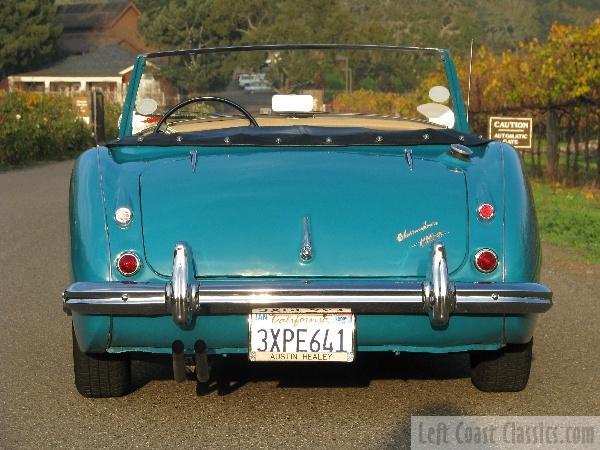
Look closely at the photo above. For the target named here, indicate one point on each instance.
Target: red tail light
(486, 260)
(486, 211)
(128, 263)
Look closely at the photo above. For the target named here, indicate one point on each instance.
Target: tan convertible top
(374, 123)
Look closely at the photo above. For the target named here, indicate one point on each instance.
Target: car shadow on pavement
(232, 373)
(401, 434)
(148, 368)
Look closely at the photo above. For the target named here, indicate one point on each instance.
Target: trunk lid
(243, 213)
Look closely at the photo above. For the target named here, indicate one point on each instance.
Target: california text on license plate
(299, 334)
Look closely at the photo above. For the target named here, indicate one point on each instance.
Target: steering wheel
(231, 103)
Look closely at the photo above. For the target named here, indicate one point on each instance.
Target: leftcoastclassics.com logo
(506, 432)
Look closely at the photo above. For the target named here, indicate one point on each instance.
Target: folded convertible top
(303, 135)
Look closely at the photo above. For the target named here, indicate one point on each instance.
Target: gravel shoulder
(368, 405)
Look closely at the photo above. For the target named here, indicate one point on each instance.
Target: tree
(438, 23)
(28, 38)
(206, 23)
(178, 24)
(559, 78)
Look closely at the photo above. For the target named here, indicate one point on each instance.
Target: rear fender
(99, 185)
(90, 249)
(522, 253)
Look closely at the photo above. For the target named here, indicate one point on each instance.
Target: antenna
(469, 87)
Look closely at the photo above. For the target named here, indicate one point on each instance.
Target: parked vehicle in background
(258, 87)
(254, 225)
(247, 78)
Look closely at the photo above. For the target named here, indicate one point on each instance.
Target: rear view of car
(314, 224)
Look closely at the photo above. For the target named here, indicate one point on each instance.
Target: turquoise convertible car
(348, 209)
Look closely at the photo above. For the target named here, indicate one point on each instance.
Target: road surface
(309, 406)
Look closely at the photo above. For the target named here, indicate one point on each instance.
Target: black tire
(503, 370)
(101, 375)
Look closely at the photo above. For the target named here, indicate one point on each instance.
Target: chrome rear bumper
(183, 297)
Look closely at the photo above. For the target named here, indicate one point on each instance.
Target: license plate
(298, 334)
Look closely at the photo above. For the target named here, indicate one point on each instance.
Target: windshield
(374, 88)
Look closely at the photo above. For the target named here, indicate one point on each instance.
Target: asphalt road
(366, 406)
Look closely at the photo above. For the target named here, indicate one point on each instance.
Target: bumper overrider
(184, 296)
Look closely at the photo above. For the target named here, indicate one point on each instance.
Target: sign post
(98, 115)
(516, 131)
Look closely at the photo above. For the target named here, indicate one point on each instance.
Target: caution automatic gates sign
(515, 131)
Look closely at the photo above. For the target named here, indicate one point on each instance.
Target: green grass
(562, 167)
(569, 217)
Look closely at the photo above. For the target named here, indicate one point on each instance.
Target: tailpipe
(202, 368)
(178, 361)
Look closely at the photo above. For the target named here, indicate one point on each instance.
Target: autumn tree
(570, 72)
(560, 76)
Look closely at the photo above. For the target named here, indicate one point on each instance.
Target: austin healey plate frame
(283, 327)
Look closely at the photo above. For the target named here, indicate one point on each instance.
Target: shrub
(371, 102)
(36, 127)
(112, 112)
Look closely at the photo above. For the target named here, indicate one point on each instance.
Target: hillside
(447, 23)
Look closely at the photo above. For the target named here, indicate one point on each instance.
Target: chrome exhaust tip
(178, 361)
(202, 367)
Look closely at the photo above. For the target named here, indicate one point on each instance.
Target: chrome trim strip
(363, 297)
(409, 158)
(306, 250)
(194, 159)
(183, 296)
